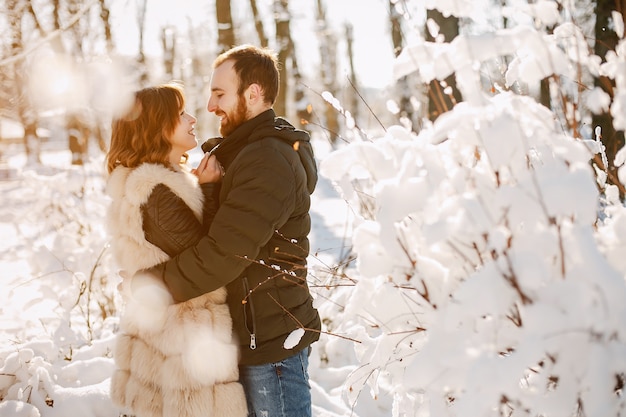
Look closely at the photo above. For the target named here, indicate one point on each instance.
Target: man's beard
(235, 118)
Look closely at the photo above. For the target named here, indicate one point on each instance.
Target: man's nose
(211, 106)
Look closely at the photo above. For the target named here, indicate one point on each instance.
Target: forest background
(474, 186)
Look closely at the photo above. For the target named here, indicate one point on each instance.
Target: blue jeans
(278, 389)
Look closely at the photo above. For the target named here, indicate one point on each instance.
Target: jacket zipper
(252, 333)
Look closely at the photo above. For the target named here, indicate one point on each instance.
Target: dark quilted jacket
(257, 244)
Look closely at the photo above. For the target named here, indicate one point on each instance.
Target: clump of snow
(293, 339)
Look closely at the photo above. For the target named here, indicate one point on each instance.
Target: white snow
(475, 268)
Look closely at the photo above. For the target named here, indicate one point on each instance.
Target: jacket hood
(262, 126)
(299, 140)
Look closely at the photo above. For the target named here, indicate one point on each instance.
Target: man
(257, 244)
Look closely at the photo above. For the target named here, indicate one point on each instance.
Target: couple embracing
(218, 317)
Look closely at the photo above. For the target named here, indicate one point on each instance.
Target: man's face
(229, 106)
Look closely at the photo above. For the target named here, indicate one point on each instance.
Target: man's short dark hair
(254, 65)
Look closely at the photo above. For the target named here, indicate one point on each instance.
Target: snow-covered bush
(59, 295)
(491, 250)
(485, 244)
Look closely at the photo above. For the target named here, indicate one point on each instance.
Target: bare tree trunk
(606, 40)
(57, 41)
(195, 82)
(78, 119)
(78, 30)
(258, 24)
(31, 11)
(407, 112)
(544, 93)
(354, 100)
(106, 23)
(441, 101)
(78, 135)
(141, 24)
(328, 67)
(25, 112)
(284, 49)
(168, 40)
(303, 106)
(545, 96)
(98, 123)
(225, 28)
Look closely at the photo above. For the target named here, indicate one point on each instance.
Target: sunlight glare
(55, 83)
(60, 84)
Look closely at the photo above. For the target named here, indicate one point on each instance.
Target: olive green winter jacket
(257, 244)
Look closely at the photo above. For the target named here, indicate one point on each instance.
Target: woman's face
(183, 138)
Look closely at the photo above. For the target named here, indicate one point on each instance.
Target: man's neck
(254, 112)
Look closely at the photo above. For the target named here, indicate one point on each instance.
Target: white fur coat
(172, 360)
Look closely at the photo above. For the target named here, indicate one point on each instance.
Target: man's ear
(254, 94)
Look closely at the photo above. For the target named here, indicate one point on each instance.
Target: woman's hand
(209, 169)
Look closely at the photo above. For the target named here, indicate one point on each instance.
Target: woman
(171, 359)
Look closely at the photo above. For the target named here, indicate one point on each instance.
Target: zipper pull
(252, 341)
